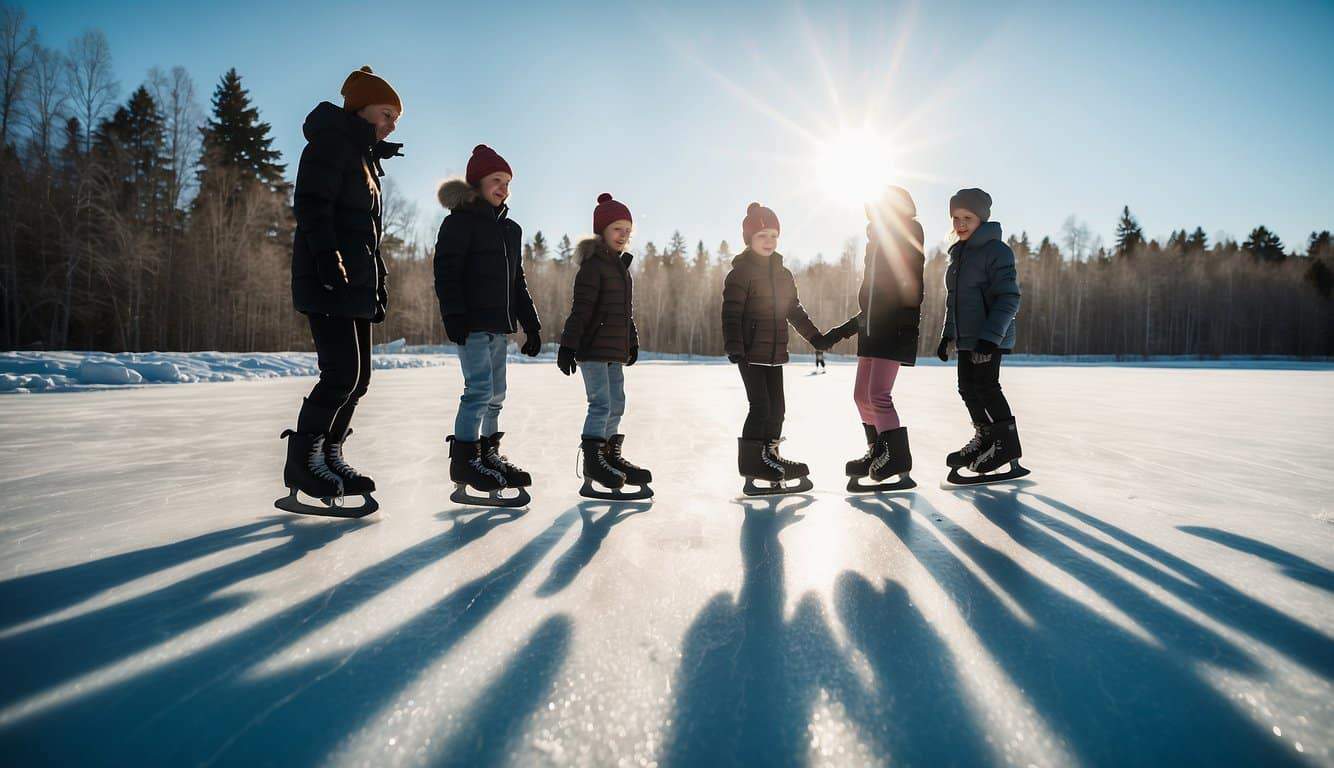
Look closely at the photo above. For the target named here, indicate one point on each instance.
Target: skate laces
(480, 465)
(783, 462)
(493, 455)
(771, 457)
(315, 461)
(333, 456)
(615, 450)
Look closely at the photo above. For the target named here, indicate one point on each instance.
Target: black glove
(381, 305)
(456, 329)
(823, 341)
(532, 344)
(737, 359)
(943, 350)
(634, 355)
(847, 330)
(329, 269)
(565, 361)
(983, 350)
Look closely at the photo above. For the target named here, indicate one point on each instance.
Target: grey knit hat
(972, 199)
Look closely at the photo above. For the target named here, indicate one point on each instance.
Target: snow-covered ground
(1160, 593)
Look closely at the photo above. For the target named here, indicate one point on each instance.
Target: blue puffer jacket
(982, 290)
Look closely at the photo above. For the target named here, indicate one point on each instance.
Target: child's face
(495, 188)
(965, 222)
(617, 234)
(764, 242)
(383, 116)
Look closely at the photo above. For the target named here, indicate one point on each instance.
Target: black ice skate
(965, 455)
(307, 472)
(602, 480)
(759, 464)
(468, 469)
(1000, 446)
(862, 467)
(514, 477)
(354, 483)
(889, 465)
(634, 475)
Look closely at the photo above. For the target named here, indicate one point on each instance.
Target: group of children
(339, 282)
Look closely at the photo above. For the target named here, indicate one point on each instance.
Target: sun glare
(855, 164)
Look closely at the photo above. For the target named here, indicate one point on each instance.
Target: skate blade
(591, 491)
(958, 480)
(292, 503)
(902, 484)
(492, 499)
(776, 488)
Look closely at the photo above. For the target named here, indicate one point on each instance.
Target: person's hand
(532, 344)
(847, 330)
(943, 349)
(381, 305)
(456, 329)
(634, 355)
(983, 351)
(823, 341)
(329, 268)
(736, 359)
(565, 361)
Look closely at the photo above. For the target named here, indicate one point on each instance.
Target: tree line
(152, 222)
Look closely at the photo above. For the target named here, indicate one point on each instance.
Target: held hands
(983, 351)
(634, 355)
(943, 350)
(847, 330)
(456, 329)
(532, 344)
(329, 268)
(823, 341)
(565, 361)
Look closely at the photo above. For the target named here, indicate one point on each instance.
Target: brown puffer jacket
(759, 300)
(601, 325)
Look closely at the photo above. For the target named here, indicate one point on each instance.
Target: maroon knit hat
(483, 163)
(757, 217)
(607, 212)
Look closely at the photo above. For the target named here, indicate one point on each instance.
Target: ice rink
(1160, 592)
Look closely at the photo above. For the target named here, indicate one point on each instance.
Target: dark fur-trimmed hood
(592, 245)
(455, 193)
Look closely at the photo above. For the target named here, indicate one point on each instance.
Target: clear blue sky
(1212, 114)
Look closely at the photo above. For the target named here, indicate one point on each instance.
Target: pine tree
(564, 249)
(1264, 245)
(676, 250)
(1319, 245)
(1198, 242)
(234, 138)
(1129, 236)
(539, 246)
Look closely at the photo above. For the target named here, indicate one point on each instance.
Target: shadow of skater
(1109, 696)
(495, 720)
(50, 654)
(1294, 567)
(217, 704)
(591, 533)
(748, 680)
(40, 594)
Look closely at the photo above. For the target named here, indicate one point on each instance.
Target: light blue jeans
(604, 383)
(483, 362)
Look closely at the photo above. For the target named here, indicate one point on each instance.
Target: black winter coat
(982, 290)
(479, 264)
(337, 207)
(759, 300)
(891, 294)
(601, 325)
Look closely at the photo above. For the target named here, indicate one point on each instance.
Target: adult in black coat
(338, 274)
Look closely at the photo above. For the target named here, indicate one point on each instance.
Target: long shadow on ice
(222, 703)
(1295, 567)
(591, 534)
(1109, 696)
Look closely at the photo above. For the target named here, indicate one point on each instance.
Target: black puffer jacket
(601, 325)
(982, 290)
(891, 294)
(759, 300)
(479, 264)
(337, 207)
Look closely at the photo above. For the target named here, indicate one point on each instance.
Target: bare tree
(48, 100)
(92, 84)
(17, 41)
(175, 95)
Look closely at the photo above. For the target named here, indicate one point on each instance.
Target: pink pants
(874, 392)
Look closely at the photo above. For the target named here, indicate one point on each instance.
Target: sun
(854, 164)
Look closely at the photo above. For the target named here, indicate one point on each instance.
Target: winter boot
(467, 467)
(634, 475)
(514, 477)
(862, 467)
(791, 469)
(596, 466)
(1000, 446)
(965, 455)
(753, 461)
(354, 482)
(892, 456)
(305, 469)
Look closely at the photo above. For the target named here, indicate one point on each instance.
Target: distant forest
(152, 223)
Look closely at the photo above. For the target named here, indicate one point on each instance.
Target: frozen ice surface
(1160, 593)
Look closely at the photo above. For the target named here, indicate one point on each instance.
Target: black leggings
(343, 345)
(764, 390)
(979, 386)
